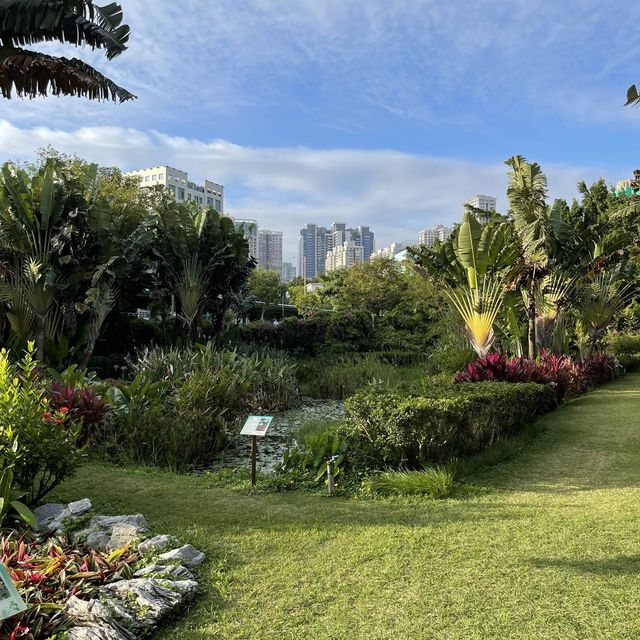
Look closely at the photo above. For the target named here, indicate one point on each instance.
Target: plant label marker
(10, 601)
(255, 426)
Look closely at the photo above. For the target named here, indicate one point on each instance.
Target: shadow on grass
(621, 565)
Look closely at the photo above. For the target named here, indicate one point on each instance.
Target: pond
(282, 434)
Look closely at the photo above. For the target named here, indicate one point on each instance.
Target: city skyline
(369, 141)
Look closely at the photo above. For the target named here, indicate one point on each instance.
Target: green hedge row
(396, 429)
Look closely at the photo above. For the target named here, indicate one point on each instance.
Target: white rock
(187, 555)
(123, 535)
(172, 571)
(97, 540)
(157, 543)
(80, 507)
(154, 598)
(107, 523)
(93, 622)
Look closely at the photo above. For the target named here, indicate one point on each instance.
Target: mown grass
(544, 546)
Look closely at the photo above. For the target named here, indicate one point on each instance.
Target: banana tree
(77, 22)
(527, 193)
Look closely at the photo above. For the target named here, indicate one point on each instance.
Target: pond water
(282, 434)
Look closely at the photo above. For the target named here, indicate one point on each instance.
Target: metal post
(331, 480)
(254, 452)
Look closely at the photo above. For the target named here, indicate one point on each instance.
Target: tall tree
(527, 194)
(77, 22)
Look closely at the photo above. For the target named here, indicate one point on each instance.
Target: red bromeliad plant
(83, 404)
(47, 572)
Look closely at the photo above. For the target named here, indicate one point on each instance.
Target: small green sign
(10, 601)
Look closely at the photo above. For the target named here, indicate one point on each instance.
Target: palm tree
(78, 22)
(527, 193)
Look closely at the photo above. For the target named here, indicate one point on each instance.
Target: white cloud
(395, 193)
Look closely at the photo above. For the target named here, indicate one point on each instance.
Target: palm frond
(77, 22)
(31, 74)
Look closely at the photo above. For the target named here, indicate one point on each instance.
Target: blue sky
(381, 112)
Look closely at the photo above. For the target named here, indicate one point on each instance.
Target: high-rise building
(288, 272)
(365, 238)
(391, 251)
(210, 194)
(486, 203)
(270, 250)
(312, 250)
(315, 242)
(250, 230)
(344, 255)
(428, 237)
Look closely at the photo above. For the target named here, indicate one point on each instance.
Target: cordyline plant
(77, 22)
(47, 572)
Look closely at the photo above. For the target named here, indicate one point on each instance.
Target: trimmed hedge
(395, 429)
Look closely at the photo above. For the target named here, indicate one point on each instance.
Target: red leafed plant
(569, 377)
(47, 572)
(84, 405)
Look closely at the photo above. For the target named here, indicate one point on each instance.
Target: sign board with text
(10, 601)
(256, 426)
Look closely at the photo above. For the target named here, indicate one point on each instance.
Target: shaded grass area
(543, 546)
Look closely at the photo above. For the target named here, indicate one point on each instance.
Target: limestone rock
(148, 600)
(123, 535)
(107, 523)
(96, 539)
(80, 507)
(93, 622)
(157, 543)
(187, 555)
(171, 571)
(47, 513)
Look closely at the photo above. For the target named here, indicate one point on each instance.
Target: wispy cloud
(395, 193)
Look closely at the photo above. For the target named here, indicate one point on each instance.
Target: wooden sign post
(255, 426)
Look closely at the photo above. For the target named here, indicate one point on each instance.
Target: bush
(433, 482)
(568, 377)
(627, 348)
(37, 441)
(46, 573)
(183, 404)
(400, 429)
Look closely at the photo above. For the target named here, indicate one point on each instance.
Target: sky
(387, 113)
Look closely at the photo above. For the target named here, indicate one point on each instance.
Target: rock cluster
(127, 609)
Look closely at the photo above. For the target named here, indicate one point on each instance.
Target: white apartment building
(211, 194)
(343, 256)
(250, 230)
(270, 250)
(486, 203)
(391, 251)
(428, 237)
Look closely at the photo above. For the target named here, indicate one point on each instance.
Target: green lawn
(546, 546)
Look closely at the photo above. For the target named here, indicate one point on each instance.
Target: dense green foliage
(39, 445)
(432, 482)
(80, 245)
(181, 406)
(395, 428)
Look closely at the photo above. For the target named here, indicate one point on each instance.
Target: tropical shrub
(626, 347)
(183, 405)
(435, 482)
(568, 377)
(47, 573)
(400, 429)
(47, 449)
(84, 406)
(309, 459)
